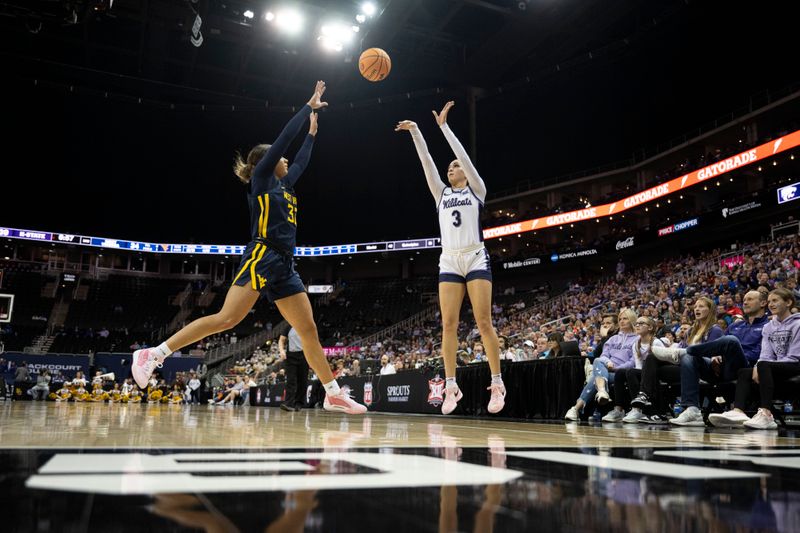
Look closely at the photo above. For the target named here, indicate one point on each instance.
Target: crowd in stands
(580, 321)
(662, 297)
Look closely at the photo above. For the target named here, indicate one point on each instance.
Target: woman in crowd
(617, 354)
(704, 329)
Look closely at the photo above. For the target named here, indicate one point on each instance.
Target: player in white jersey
(464, 263)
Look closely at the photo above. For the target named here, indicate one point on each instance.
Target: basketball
(374, 64)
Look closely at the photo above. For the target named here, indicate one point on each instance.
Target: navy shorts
(268, 272)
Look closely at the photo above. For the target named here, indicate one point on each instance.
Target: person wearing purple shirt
(779, 361)
(617, 354)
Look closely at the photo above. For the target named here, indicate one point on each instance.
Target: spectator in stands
(506, 352)
(664, 313)
(340, 371)
(778, 361)
(703, 330)
(617, 355)
(541, 347)
(21, 375)
(731, 309)
(248, 382)
(42, 387)
(386, 366)
(233, 393)
(554, 341)
(478, 355)
(626, 383)
(715, 360)
(608, 328)
(527, 352)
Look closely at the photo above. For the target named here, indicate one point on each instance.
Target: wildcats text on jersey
(456, 202)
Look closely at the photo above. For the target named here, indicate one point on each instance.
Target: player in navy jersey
(267, 265)
(464, 263)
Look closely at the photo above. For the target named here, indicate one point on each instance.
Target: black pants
(653, 371)
(195, 395)
(769, 372)
(296, 379)
(626, 386)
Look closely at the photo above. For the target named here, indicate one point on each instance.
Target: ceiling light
(289, 21)
(368, 8)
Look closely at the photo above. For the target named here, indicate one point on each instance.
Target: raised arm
(435, 183)
(473, 178)
(303, 155)
(265, 168)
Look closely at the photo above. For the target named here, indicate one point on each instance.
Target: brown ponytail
(244, 168)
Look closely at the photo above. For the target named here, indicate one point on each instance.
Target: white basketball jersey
(460, 219)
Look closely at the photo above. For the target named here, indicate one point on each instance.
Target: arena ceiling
(433, 43)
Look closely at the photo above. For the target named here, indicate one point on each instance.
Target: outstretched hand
(316, 99)
(441, 117)
(312, 126)
(405, 125)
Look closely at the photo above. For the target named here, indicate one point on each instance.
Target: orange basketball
(374, 64)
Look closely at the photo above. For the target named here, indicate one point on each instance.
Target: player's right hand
(405, 125)
(316, 99)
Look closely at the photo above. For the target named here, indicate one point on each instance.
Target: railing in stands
(246, 345)
(782, 227)
(413, 320)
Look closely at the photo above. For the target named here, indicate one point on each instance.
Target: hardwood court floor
(132, 468)
(49, 425)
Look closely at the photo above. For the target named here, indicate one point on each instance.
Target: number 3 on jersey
(292, 214)
(456, 218)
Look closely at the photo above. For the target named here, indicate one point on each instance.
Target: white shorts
(461, 267)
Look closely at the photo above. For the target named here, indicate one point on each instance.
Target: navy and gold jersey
(273, 204)
(273, 217)
(267, 264)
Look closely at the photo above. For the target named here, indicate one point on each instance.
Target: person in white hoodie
(779, 361)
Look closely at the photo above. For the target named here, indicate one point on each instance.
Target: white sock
(497, 379)
(450, 383)
(164, 350)
(636, 409)
(332, 388)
